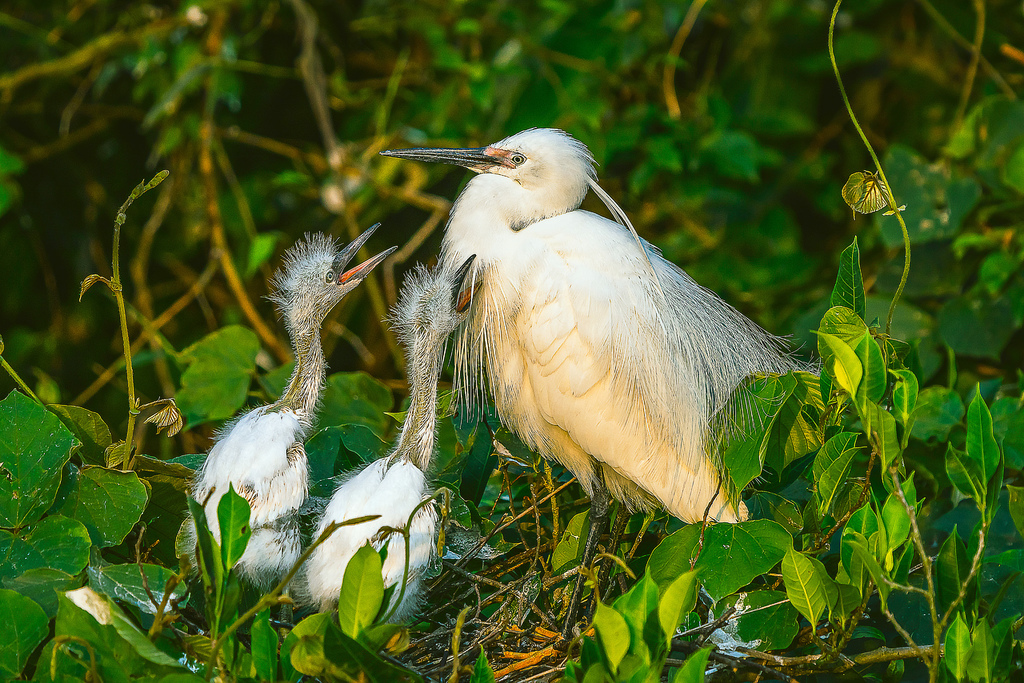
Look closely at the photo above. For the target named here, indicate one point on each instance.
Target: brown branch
(148, 330)
(221, 248)
(812, 663)
(972, 67)
(84, 56)
(951, 31)
(668, 81)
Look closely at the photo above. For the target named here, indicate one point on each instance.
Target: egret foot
(600, 506)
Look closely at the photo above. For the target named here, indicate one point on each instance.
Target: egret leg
(600, 506)
(622, 516)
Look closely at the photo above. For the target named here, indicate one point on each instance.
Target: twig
(951, 31)
(972, 67)
(893, 206)
(668, 80)
(84, 56)
(456, 637)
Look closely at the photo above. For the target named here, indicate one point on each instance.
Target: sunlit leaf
(958, 648)
(849, 287)
(831, 466)
(362, 591)
(233, 515)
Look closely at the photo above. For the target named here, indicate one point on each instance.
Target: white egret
(432, 304)
(261, 452)
(599, 353)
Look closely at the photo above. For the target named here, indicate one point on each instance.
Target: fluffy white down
(393, 492)
(252, 456)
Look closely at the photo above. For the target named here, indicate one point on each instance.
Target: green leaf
(842, 322)
(764, 619)
(678, 599)
(981, 443)
(831, 465)
(23, 625)
(951, 569)
(356, 398)
(34, 446)
(208, 556)
(639, 609)
(42, 585)
(56, 542)
(362, 591)
(805, 587)
(612, 633)
(88, 427)
(124, 582)
(221, 367)
(841, 362)
(570, 547)
(335, 655)
(793, 432)
(233, 514)
(264, 647)
(864, 552)
(958, 648)
(692, 671)
(108, 502)
(975, 325)
(872, 363)
(896, 521)
(849, 287)
(935, 206)
(482, 671)
(983, 652)
(938, 411)
(1016, 505)
(732, 555)
(964, 475)
(10, 164)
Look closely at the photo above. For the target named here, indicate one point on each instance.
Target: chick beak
(358, 273)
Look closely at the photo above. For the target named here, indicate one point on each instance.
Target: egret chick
(261, 452)
(432, 304)
(599, 353)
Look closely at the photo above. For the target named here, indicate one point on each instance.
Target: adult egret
(261, 452)
(600, 353)
(432, 304)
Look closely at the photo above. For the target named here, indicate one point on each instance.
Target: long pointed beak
(461, 293)
(360, 272)
(476, 158)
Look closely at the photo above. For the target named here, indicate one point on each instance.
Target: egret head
(553, 168)
(315, 278)
(433, 303)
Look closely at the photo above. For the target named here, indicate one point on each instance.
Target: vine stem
(116, 289)
(16, 377)
(893, 207)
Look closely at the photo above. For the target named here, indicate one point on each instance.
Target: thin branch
(972, 67)
(668, 80)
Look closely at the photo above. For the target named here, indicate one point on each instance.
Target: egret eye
(329, 277)
(517, 158)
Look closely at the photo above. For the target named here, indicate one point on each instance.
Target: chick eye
(329, 277)
(517, 158)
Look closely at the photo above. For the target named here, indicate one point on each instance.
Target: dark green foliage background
(741, 188)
